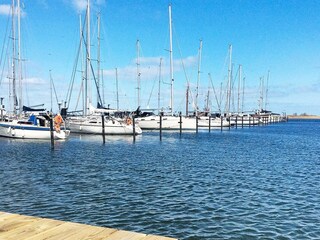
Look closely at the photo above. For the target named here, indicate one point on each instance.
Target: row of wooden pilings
(252, 122)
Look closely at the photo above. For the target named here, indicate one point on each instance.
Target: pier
(16, 226)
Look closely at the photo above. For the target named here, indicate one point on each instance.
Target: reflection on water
(252, 183)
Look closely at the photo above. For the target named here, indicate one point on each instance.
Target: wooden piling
(51, 131)
(209, 123)
(134, 128)
(180, 122)
(197, 124)
(160, 128)
(103, 129)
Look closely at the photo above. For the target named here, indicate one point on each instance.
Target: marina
(145, 120)
(252, 182)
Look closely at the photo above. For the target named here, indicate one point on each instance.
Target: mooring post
(242, 121)
(221, 120)
(51, 130)
(197, 124)
(160, 126)
(103, 129)
(134, 128)
(236, 121)
(180, 122)
(210, 123)
(249, 121)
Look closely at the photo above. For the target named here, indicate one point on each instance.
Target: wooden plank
(103, 234)
(87, 232)
(61, 231)
(154, 237)
(31, 229)
(15, 226)
(15, 221)
(6, 216)
(125, 235)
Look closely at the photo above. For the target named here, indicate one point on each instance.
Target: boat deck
(16, 226)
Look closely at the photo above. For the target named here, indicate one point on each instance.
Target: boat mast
(198, 79)
(239, 86)
(117, 86)
(187, 99)
(159, 86)
(261, 93)
(19, 58)
(14, 93)
(98, 56)
(207, 101)
(138, 71)
(171, 61)
(267, 90)
(87, 82)
(243, 86)
(84, 97)
(229, 80)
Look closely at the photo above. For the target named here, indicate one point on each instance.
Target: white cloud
(81, 5)
(5, 9)
(149, 68)
(28, 81)
(34, 81)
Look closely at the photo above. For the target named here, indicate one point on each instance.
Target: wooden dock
(16, 226)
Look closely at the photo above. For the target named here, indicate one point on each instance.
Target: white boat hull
(214, 122)
(168, 122)
(27, 131)
(94, 126)
(246, 121)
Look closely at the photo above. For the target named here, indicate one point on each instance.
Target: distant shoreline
(311, 117)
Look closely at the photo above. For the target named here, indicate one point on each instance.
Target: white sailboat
(20, 123)
(170, 121)
(96, 120)
(33, 127)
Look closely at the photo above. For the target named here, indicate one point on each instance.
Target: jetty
(16, 226)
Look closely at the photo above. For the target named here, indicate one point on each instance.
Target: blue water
(252, 183)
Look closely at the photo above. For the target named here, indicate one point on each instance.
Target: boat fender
(129, 122)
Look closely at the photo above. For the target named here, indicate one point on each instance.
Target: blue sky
(267, 35)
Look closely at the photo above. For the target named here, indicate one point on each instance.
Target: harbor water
(248, 183)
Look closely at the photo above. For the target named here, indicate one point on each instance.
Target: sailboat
(24, 122)
(169, 121)
(97, 120)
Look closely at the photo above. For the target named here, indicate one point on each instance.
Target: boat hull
(214, 122)
(94, 126)
(26, 131)
(168, 123)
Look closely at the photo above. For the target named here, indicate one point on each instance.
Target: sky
(278, 37)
